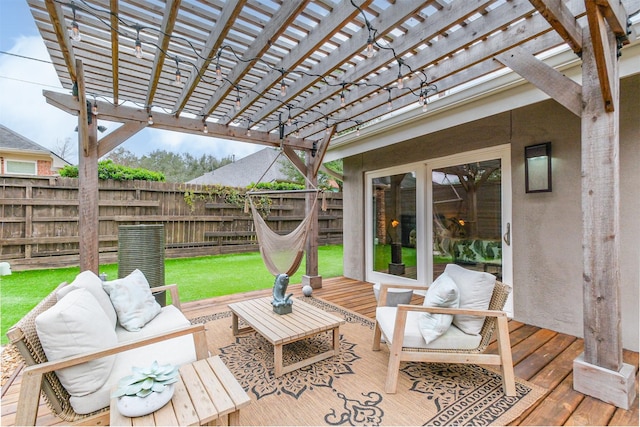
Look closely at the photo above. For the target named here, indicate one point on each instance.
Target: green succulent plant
(145, 381)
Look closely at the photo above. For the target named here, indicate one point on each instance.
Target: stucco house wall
(546, 227)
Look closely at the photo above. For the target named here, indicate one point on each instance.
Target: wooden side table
(206, 392)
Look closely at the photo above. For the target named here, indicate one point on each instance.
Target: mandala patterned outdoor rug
(349, 389)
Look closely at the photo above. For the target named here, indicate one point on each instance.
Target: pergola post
(311, 277)
(600, 371)
(87, 180)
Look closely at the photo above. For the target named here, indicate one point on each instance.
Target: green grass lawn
(197, 278)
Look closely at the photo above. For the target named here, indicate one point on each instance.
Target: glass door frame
(424, 228)
(375, 276)
(502, 152)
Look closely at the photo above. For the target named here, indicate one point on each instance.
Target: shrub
(109, 170)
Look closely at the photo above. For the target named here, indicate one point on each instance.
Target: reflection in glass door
(467, 216)
(394, 225)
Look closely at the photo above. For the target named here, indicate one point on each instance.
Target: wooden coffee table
(206, 392)
(305, 321)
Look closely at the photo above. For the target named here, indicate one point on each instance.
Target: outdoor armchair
(400, 327)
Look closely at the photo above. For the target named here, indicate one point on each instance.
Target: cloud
(24, 110)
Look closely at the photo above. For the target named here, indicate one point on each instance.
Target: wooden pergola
(294, 72)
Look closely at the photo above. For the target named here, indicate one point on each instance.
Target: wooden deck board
(541, 356)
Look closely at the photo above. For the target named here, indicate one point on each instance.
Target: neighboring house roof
(11, 141)
(246, 170)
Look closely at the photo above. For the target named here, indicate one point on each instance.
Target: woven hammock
(282, 253)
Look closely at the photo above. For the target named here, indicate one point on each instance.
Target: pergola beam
(118, 136)
(340, 16)
(555, 84)
(562, 20)
(357, 43)
(57, 16)
(168, 22)
(230, 12)
(602, 50)
(259, 46)
(115, 50)
(123, 113)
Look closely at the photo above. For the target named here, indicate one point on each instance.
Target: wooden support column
(311, 277)
(87, 180)
(600, 371)
(315, 157)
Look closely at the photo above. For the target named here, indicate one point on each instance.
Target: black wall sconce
(537, 168)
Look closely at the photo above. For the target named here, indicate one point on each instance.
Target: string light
(150, 118)
(218, 75)
(369, 47)
(75, 29)
(178, 81)
(283, 87)
(238, 104)
(400, 80)
(94, 110)
(249, 127)
(205, 129)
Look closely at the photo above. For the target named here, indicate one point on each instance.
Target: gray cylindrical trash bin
(142, 247)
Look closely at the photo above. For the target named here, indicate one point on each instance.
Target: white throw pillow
(76, 324)
(476, 289)
(443, 292)
(89, 281)
(131, 297)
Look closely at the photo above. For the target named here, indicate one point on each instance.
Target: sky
(24, 109)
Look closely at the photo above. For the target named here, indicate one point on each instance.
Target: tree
(124, 157)
(324, 180)
(65, 149)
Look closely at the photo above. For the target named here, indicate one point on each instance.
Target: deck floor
(541, 356)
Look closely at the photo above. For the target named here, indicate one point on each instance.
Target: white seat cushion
(89, 281)
(176, 351)
(443, 292)
(76, 324)
(476, 289)
(453, 338)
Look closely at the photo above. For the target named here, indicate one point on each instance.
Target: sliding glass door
(423, 216)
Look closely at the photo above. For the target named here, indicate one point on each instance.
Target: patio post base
(616, 388)
(314, 281)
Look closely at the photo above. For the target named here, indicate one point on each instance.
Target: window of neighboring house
(20, 167)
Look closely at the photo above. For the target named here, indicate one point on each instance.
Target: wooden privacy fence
(39, 219)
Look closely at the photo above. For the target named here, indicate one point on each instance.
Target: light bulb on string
(358, 131)
(138, 49)
(424, 106)
(218, 72)
(205, 128)
(94, 110)
(74, 33)
(343, 100)
(178, 81)
(150, 119)
(283, 88)
(389, 106)
(400, 81)
(370, 47)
